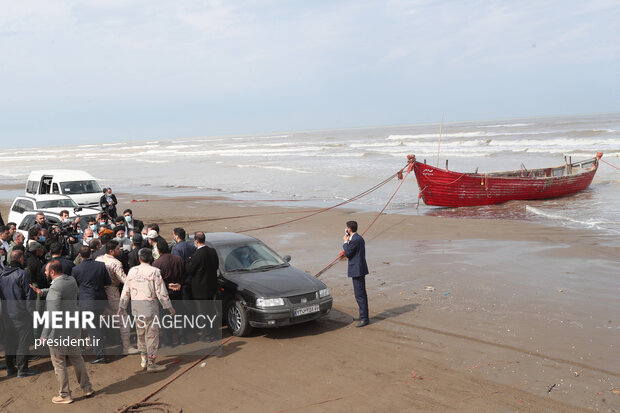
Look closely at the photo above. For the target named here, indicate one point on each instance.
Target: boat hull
(440, 187)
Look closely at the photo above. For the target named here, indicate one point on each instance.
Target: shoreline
(515, 307)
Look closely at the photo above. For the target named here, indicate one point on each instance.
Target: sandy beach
(466, 315)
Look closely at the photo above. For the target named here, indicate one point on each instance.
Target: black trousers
(169, 334)
(359, 288)
(17, 339)
(96, 334)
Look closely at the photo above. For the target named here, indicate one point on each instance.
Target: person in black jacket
(35, 264)
(201, 269)
(92, 276)
(108, 202)
(18, 300)
(355, 250)
(136, 243)
(56, 254)
(131, 223)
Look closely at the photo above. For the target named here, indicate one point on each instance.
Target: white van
(78, 185)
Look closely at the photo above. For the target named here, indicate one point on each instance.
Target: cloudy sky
(114, 70)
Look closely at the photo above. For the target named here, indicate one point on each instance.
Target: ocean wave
(507, 125)
(421, 136)
(591, 223)
(181, 146)
(151, 160)
(277, 168)
(376, 144)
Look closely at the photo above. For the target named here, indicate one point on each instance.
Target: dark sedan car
(261, 289)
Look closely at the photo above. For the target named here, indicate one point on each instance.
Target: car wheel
(237, 319)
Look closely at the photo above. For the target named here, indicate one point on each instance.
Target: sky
(80, 71)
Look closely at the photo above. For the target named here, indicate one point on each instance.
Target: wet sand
(467, 315)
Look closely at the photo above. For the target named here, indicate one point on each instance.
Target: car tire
(237, 319)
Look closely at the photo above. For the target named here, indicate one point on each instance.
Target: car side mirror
(77, 209)
(287, 258)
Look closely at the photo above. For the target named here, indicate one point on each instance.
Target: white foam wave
(277, 168)
(422, 136)
(151, 160)
(507, 125)
(592, 223)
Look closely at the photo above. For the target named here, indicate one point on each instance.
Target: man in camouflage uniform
(117, 276)
(144, 286)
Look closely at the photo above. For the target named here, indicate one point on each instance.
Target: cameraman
(66, 221)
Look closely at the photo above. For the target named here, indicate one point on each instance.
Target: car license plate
(307, 310)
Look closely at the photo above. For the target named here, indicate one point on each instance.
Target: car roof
(45, 197)
(44, 211)
(227, 238)
(71, 174)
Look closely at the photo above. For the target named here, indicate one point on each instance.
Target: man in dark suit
(62, 297)
(184, 250)
(355, 250)
(108, 202)
(92, 277)
(131, 223)
(56, 253)
(201, 269)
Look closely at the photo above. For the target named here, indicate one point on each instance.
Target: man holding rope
(355, 250)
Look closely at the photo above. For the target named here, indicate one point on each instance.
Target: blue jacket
(91, 276)
(184, 250)
(18, 299)
(355, 251)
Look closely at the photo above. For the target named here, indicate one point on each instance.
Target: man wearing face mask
(66, 221)
(92, 225)
(108, 202)
(131, 222)
(122, 240)
(86, 238)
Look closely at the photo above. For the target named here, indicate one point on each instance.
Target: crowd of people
(102, 266)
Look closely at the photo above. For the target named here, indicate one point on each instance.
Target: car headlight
(324, 292)
(269, 302)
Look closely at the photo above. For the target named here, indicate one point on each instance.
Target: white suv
(52, 204)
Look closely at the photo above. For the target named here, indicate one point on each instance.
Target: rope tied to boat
(613, 166)
(411, 163)
(398, 174)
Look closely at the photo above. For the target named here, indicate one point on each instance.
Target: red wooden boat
(442, 187)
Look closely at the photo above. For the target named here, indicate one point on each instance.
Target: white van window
(80, 187)
(31, 187)
(46, 185)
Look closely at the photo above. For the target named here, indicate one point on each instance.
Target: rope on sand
(152, 407)
(141, 405)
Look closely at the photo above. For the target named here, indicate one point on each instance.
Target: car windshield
(249, 257)
(80, 187)
(57, 203)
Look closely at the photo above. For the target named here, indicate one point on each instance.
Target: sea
(320, 168)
